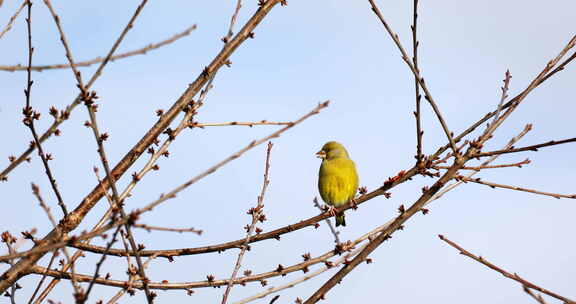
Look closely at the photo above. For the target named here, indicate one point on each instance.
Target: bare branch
(240, 123)
(417, 76)
(141, 51)
(257, 215)
(528, 148)
(494, 185)
(12, 19)
(514, 276)
(482, 167)
(179, 230)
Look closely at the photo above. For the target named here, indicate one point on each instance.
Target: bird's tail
(340, 220)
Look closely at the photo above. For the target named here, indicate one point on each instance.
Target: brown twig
(482, 167)
(528, 148)
(58, 121)
(417, 76)
(66, 240)
(504, 96)
(36, 192)
(157, 228)
(12, 19)
(99, 264)
(257, 214)
(239, 123)
(44, 276)
(415, 43)
(304, 278)
(118, 205)
(514, 276)
(335, 232)
(386, 233)
(494, 185)
(510, 143)
(65, 114)
(141, 51)
(303, 266)
(67, 225)
(459, 162)
(77, 289)
(88, 99)
(489, 115)
(30, 115)
(128, 287)
(536, 297)
(8, 239)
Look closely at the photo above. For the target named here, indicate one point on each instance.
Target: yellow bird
(337, 179)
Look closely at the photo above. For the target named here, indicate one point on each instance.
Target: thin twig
(303, 266)
(44, 276)
(128, 287)
(157, 228)
(415, 43)
(29, 117)
(36, 192)
(88, 99)
(335, 232)
(65, 240)
(417, 76)
(386, 233)
(504, 96)
(117, 204)
(489, 115)
(257, 214)
(494, 185)
(459, 162)
(99, 264)
(482, 167)
(53, 238)
(304, 278)
(536, 297)
(239, 123)
(141, 51)
(512, 141)
(9, 241)
(65, 114)
(12, 19)
(528, 148)
(77, 289)
(505, 273)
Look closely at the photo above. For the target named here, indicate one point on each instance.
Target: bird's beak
(321, 154)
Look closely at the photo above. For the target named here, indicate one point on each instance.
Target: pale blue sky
(305, 53)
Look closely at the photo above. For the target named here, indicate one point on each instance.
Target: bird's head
(332, 150)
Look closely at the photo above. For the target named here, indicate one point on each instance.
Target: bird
(337, 178)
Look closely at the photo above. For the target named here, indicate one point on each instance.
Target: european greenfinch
(337, 179)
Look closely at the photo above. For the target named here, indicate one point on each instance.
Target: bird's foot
(331, 209)
(354, 203)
